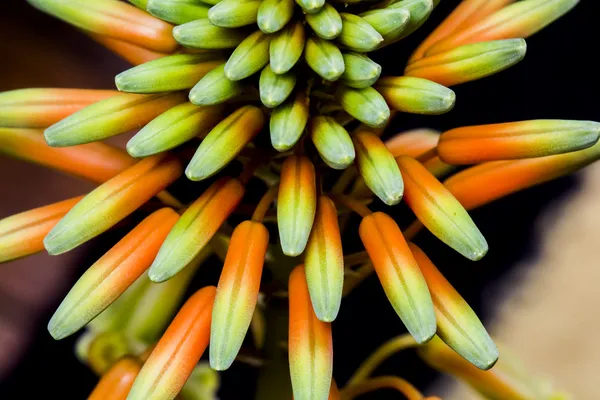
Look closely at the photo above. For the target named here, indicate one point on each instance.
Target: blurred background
(535, 290)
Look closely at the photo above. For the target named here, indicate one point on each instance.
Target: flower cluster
(228, 74)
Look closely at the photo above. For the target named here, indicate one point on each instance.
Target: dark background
(557, 79)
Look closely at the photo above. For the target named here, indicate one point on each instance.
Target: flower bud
(457, 324)
(296, 204)
(439, 211)
(310, 343)
(310, 6)
(196, 227)
(325, 58)
(112, 274)
(324, 262)
(416, 95)
(389, 22)
(326, 23)
(378, 167)
(97, 162)
(177, 11)
(519, 20)
(117, 381)
(469, 62)
(173, 128)
(332, 142)
(224, 142)
(273, 15)
(112, 201)
(399, 274)
(286, 47)
(366, 105)
(412, 143)
(249, 57)
(516, 140)
(361, 72)
(357, 34)
(110, 117)
(201, 34)
(178, 351)
(41, 108)
(168, 74)
(23, 234)
(112, 18)
(234, 13)
(288, 122)
(275, 89)
(214, 88)
(237, 292)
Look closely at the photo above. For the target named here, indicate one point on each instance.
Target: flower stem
(384, 382)
(352, 204)
(265, 203)
(384, 352)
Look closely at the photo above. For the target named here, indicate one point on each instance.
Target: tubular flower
(288, 95)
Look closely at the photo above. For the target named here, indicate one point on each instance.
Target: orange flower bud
(237, 292)
(112, 201)
(310, 343)
(23, 234)
(97, 162)
(399, 274)
(112, 274)
(178, 351)
(117, 382)
(439, 211)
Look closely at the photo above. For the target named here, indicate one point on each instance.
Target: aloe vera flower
(273, 115)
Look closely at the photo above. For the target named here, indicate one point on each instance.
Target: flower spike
(399, 274)
(178, 351)
(23, 234)
(112, 274)
(310, 343)
(457, 324)
(237, 292)
(111, 202)
(515, 140)
(439, 211)
(196, 227)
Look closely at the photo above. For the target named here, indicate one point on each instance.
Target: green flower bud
(288, 121)
(286, 48)
(325, 58)
(361, 71)
(168, 74)
(274, 89)
(178, 11)
(249, 57)
(366, 105)
(214, 88)
(234, 13)
(201, 34)
(389, 22)
(332, 142)
(416, 95)
(273, 15)
(357, 34)
(327, 22)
